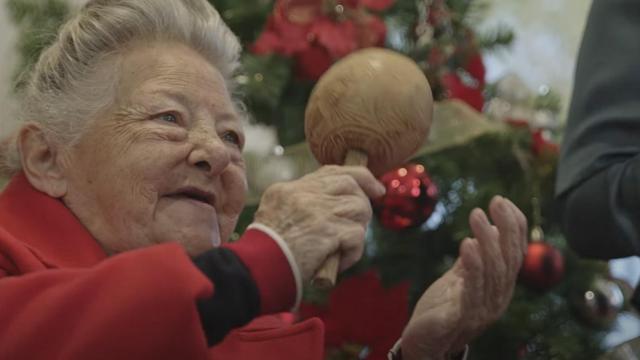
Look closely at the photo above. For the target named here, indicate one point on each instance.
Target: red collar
(47, 226)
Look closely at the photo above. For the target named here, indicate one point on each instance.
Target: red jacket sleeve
(137, 305)
(269, 268)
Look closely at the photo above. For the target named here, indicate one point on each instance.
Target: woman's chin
(196, 241)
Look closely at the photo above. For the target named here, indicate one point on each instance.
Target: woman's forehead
(171, 63)
(177, 73)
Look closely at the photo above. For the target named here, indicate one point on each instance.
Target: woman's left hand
(476, 291)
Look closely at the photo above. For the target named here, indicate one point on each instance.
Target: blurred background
(502, 72)
(547, 36)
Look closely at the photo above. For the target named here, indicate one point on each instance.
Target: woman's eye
(169, 118)
(232, 137)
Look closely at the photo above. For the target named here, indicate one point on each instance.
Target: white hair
(73, 80)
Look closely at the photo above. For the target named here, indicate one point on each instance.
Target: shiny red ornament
(543, 266)
(410, 199)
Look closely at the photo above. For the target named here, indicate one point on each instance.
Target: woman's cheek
(234, 181)
(179, 135)
(170, 133)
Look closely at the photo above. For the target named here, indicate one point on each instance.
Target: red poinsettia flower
(304, 29)
(475, 68)
(361, 311)
(470, 89)
(377, 5)
(312, 62)
(283, 34)
(457, 89)
(373, 32)
(352, 4)
(339, 38)
(267, 43)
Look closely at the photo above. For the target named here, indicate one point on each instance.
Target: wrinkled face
(165, 164)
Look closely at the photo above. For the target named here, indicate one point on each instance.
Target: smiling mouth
(196, 195)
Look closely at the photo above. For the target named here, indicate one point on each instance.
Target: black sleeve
(597, 174)
(601, 215)
(235, 300)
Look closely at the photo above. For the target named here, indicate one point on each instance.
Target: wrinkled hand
(322, 213)
(475, 291)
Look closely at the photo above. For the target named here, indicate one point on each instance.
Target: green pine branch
(38, 22)
(468, 11)
(246, 18)
(500, 37)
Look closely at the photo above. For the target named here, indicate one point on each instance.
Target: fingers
(321, 214)
(522, 227)
(352, 247)
(348, 242)
(512, 235)
(484, 273)
(340, 180)
(355, 208)
(472, 264)
(496, 271)
(475, 292)
(501, 249)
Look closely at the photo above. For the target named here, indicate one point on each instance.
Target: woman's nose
(209, 154)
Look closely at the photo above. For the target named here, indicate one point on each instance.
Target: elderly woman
(128, 180)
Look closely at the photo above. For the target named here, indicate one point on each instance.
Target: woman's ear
(40, 163)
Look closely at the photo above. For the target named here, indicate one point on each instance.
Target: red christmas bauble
(543, 266)
(410, 199)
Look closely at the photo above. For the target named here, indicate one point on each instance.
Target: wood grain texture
(373, 108)
(375, 100)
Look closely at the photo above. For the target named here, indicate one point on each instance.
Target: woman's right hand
(322, 213)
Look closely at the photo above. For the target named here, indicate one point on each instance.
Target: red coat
(61, 297)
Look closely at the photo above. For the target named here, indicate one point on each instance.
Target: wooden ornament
(372, 108)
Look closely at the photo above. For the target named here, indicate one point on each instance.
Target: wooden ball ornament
(372, 108)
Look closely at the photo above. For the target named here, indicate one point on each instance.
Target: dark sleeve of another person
(599, 169)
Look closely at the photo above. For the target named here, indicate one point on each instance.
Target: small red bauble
(540, 145)
(543, 267)
(410, 199)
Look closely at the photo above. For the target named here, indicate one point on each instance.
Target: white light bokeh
(548, 35)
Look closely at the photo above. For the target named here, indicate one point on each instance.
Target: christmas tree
(486, 139)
